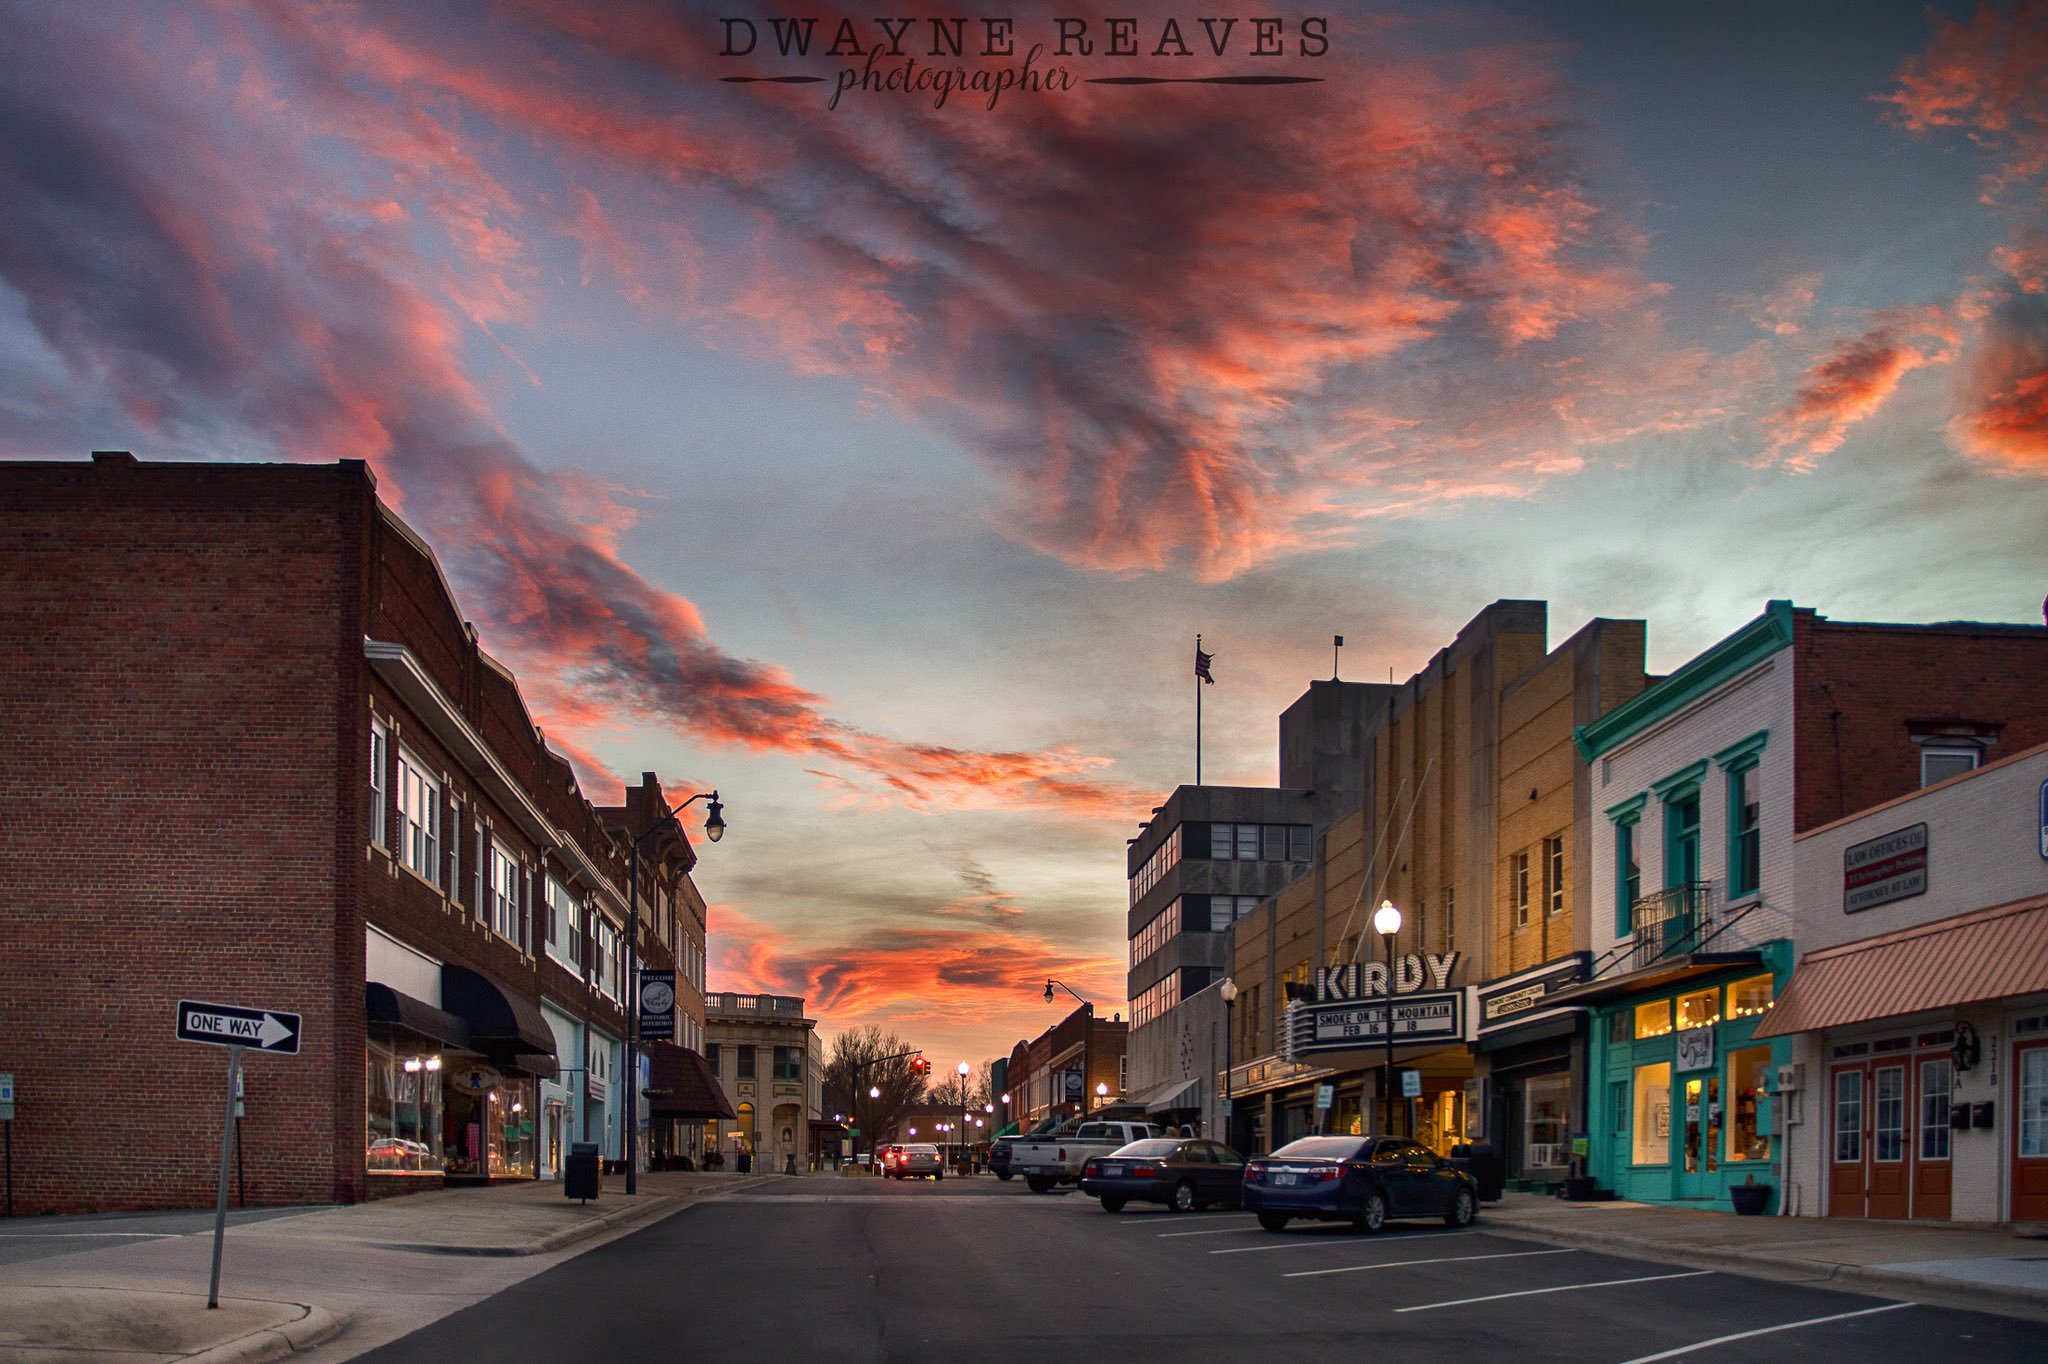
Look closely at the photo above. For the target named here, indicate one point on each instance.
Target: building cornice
(1721, 663)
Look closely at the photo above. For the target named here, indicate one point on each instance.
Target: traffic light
(920, 1067)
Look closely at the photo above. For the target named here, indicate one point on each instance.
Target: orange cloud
(2005, 416)
(1984, 75)
(1852, 383)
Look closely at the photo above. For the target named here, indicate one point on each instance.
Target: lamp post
(714, 829)
(1386, 921)
(1228, 989)
(964, 1070)
(1087, 1028)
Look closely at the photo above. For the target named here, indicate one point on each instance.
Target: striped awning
(1995, 953)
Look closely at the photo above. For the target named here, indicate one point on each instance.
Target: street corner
(89, 1323)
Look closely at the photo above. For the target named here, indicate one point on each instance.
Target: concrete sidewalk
(145, 1300)
(1982, 1268)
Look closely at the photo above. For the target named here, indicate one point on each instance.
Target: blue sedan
(1360, 1180)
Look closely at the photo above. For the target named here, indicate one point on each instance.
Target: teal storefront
(1679, 1095)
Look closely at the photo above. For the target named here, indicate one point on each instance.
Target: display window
(1654, 1019)
(1748, 1079)
(403, 1112)
(1652, 1116)
(1699, 1009)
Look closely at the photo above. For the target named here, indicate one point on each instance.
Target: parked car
(1360, 1180)
(999, 1157)
(1058, 1156)
(917, 1160)
(885, 1158)
(1183, 1173)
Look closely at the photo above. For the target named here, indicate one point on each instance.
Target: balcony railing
(725, 1001)
(1668, 922)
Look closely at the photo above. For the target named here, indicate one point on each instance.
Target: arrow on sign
(229, 1025)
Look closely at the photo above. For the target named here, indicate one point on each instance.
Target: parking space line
(1439, 1260)
(1768, 1330)
(1213, 1231)
(1328, 1239)
(90, 1235)
(1561, 1288)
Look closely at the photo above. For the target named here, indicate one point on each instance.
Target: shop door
(1871, 1174)
(1700, 1139)
(1931, 1182)
(2030, 1133)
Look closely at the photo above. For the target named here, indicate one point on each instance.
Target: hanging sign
(1696, 1048)
(474, 1079)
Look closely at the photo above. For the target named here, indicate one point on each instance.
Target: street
(973, 1269)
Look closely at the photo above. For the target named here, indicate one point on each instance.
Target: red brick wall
(169, 638)
(1858, 686)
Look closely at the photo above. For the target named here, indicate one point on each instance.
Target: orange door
(1847, 1152)
(1931, 1163)
(2030, 1133)
(1889, 1181)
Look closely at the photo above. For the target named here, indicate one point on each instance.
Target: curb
(1934, 1289)
(565, 1236)
(316, 1327)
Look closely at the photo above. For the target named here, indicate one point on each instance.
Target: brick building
(258, 758)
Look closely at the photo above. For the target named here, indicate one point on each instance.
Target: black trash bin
(580, 1173)
(1488, 1169)
(746, 1162)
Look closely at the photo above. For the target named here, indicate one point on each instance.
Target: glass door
(1888, 1182)
(2030, 1133)
(1700, 1139)
(1846, 1151)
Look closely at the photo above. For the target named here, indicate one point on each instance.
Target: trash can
(580, 1173)
(1488, 1170)
(746, 1162)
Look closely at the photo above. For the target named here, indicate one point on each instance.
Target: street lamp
(1228, 989)
(1087, 1028)
(714, 829)
(1386, 921)
(964, 1071)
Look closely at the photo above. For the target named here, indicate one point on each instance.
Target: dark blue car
(1184, 1173)
(1360, 1180)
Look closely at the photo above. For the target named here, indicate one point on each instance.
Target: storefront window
(1546, 1124)
(510, 1119)
(1748, 998)
(1652, 1144)
(1653, 1020)
(1699, 1009)
(403, 1112)
(1934, 1092)
(1747, 1072)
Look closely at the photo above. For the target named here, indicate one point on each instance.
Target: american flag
(1202, 662)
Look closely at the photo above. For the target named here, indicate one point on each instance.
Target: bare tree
(868, 1059)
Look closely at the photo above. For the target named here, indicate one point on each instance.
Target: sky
(873, 451)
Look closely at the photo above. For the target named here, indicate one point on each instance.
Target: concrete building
(765, 1054)
(262, 761)
(1917, 1017)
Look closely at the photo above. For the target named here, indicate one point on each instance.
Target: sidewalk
(145, 1299)
(1984, 1269)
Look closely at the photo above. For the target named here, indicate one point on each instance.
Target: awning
(680, 1084)
(1008, 1130)
(502, 1026)
(1996, 953)
(1169, 1098)
(1664, 973)
(386, 1005)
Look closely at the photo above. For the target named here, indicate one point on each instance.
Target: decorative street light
(714, 829)
(1386, 921)
(1087, 1028)
(1228, 989)
(964, 1071)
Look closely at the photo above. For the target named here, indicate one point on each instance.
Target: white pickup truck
(1057, 1157)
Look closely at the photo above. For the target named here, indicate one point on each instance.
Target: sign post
(7, 1117)
(236, 1028)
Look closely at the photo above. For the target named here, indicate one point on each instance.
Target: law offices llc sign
(1885, 869)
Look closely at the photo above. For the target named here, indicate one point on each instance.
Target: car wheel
(1372, 1214)
(1112, 1204)
(1006, 1175)
(1462, 1208)
(1038, 1183)
(1272, 1221)
(1183, 1196)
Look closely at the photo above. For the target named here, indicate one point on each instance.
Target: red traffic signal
(920, 1066)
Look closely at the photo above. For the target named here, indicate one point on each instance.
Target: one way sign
(227, 1025)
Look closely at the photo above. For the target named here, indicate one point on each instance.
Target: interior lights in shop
(413, 1065)
(433, 1063)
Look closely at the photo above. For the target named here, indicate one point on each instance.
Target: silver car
(917, 1160)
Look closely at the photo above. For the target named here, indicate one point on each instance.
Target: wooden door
(2030, 1133)
(1888, 1184)
(1931, 1180)
(1847, 1151)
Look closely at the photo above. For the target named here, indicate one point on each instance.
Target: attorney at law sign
(1885, 869)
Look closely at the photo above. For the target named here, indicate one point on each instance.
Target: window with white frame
(1518, 887)
(480, 898)
(565, 927)
(380, 763)
(419, 817)
(608, 965)
(1553, 876)
(505, 897)
(454, 847)
(1939, 762)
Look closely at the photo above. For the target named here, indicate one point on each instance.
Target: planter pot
(1750, 1199)
(1577, 1189)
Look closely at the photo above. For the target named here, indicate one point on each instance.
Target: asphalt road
(970, 1269)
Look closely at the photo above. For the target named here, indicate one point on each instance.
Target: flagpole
(1198, 715)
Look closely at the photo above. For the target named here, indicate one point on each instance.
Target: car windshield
(1320, 1148)
(1151, 1146)
(921, 1150)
